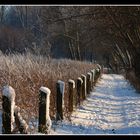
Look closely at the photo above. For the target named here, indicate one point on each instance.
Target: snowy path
(113, 108)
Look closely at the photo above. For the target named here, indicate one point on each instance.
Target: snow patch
(93, 70)
(73, 82)
(80, 79)
(83, 75)
(48, 107)
(97, 70)
(99, 66)
(9, 92)
(45, 90)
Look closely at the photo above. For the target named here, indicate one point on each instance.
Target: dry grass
(27, 73)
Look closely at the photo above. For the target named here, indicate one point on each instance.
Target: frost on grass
(9, 92)
(62, 86)
(22, 122)
(73, 82)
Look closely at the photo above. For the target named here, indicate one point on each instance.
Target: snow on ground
(112, 108)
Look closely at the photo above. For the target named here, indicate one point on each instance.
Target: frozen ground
(112, 108)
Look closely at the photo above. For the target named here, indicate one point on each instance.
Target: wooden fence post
(8, 104)
(71, 86)
(88, 82)
(84, 90)
(44, 103)
(100, 68)
(97, 73)
(92, 78)
(60, 86)
(79, 90)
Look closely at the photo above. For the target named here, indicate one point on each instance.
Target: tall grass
(26, 73)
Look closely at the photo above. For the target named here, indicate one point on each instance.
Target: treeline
(107, 34)
(57, 31)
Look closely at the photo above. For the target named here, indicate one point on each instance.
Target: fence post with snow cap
(92, 78)
(89, 82)
(99, 67)
(97, 74)
(84, 90)
(79, 90)
(60, 87)
(44, 103)
(71, 86)
(8, 104)
(99, 70)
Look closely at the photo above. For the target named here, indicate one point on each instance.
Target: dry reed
(26, 73)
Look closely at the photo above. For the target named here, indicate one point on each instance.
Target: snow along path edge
(113, 108)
